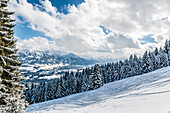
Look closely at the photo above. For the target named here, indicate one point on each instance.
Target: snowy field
(147, 93)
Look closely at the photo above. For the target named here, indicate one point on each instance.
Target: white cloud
(36, 43)
(48, 7)
(79, 31)
(119, 41)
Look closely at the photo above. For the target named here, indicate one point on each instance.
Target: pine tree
(95, 78)
(163, 58)
(33, 93)
(153, 59)
(157, 60)
(125, 70)
(132, 65)
(62, 86)
(109, 75)
(78, 78)
(38, 94)
(73, 84)
(59, 90)
(137, 66)
(167, 50)
(44, 91)
(146, 63)
(11, 90)
(84, 83)
(116, 74)
(103, 73)
(67, 82)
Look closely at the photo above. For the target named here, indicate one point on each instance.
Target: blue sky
(147, 39)
(91, 28)
(61, 6)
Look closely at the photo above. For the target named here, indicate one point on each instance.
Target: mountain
(55, 57)
(147, 93)
(38, 65)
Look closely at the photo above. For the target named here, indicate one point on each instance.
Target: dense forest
(98, 75)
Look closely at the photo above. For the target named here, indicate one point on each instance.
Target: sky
(92, 28)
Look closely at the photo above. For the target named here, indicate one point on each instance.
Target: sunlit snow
(147, 93)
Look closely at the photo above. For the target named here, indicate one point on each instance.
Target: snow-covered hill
(147, 93)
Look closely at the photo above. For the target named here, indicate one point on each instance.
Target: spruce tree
(11, 90)
(84, 83)
(74, 84)
(95, 78)
(146, 63)
(167, 50)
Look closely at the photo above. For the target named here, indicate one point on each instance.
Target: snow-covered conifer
(11, 90)
(96, 78)
(167, 50)
(84, 81)
(146, 63)
(163, 58)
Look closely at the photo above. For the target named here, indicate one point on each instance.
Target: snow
(50, 77)
(147, 93)
(3, 60)
(42, 66)
(1, 69)
(46, 67)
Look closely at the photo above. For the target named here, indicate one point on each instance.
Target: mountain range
(38, 65)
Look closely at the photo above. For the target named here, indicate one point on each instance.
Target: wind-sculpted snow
(147, 93)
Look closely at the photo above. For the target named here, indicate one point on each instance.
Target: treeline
(95, 77)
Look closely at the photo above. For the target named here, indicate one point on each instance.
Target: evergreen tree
(11, 90)
(38, 94)
(137, 66)
(67, 82)
(73, 84)
(156, 52)
(167, 50)
(33, 92)
(153, 59)
(163, 58)
(103, 73)
(109, 74)
(125, 70)
(28, 93)
(120, 64)
(59, 89)
(146, 63)
(49, 90)
(116, 70)
(84, 83)
(62, 86)
(95, 78)
(78, 78)
(157, 59)
(53, 89)
(132, 65)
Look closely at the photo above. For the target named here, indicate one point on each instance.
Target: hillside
(147, 93)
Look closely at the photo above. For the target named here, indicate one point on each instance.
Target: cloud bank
(79, 31)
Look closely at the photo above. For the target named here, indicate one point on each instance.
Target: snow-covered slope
(147, 93)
